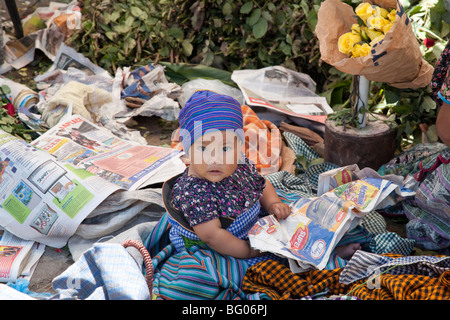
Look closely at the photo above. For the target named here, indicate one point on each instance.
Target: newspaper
(82, 145)
(42, 199)
(283, 91)
(18, 257)
(50, 186)
(334, 178)
(309, 235)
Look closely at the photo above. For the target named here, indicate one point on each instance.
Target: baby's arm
(272, 203)
(222, 241)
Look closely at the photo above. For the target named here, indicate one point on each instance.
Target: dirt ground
(155, 130)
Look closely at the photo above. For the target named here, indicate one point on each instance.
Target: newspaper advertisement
(284, 91)
(309, 235)
(334, 178)
(93, 150)
(18, 257)
(42, 199)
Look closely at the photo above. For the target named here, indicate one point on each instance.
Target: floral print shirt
(440, 83)
(201, 200)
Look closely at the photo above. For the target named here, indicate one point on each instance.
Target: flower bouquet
(375, 40)
(373, 24)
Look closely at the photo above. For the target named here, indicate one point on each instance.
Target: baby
(220, 184)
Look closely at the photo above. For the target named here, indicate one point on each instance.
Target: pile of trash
(80, 115)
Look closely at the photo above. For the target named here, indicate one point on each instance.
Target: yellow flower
(364, 10)
(392, 15)
(376, 40)
(356, 28)
(378, 22)
(387, 27)
(380, 12)
(360, 50)
(347, 41)
(372, 33)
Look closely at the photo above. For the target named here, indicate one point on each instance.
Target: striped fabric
(195, 273)
(239, 228)
(261, 136)
(106, 271)
(206, 111)
(429, 211)
(365, 264)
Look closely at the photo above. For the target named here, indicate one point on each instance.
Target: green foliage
(250, 34)
(225, 34)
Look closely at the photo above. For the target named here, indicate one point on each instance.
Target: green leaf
(254, 17)
(246, 7)
(111, 35)
(129, 21)
(296, 47)
(6, 89)
(271, 7)
(114, 16)
(130, 43)
(227, 9)
(187, 47)
(260, 28)
(428, 104)
(285, 48)
(208, 57)
(120, 28)
(391, 97)
(176, 32)
(137, 12)
(403, 109)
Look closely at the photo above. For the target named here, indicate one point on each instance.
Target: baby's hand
(280, 210)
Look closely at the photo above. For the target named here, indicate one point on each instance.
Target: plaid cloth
(406, 287)
(305, 183)
(390, 242)
(279, 283)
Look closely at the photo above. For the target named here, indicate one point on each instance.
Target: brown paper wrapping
(397, 60)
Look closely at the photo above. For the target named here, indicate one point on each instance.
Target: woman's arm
(272, 203)
(222, 241)
(443, 123)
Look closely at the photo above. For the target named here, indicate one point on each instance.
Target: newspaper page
(42, 199)
(82, 145)
(309, 235)
(282, 90)
(14, 256)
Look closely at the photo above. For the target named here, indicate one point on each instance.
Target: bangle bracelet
(442, 98)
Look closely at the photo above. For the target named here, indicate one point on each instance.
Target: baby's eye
(225, 149)
(202, 148)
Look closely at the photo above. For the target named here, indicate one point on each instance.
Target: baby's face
(214, 156)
